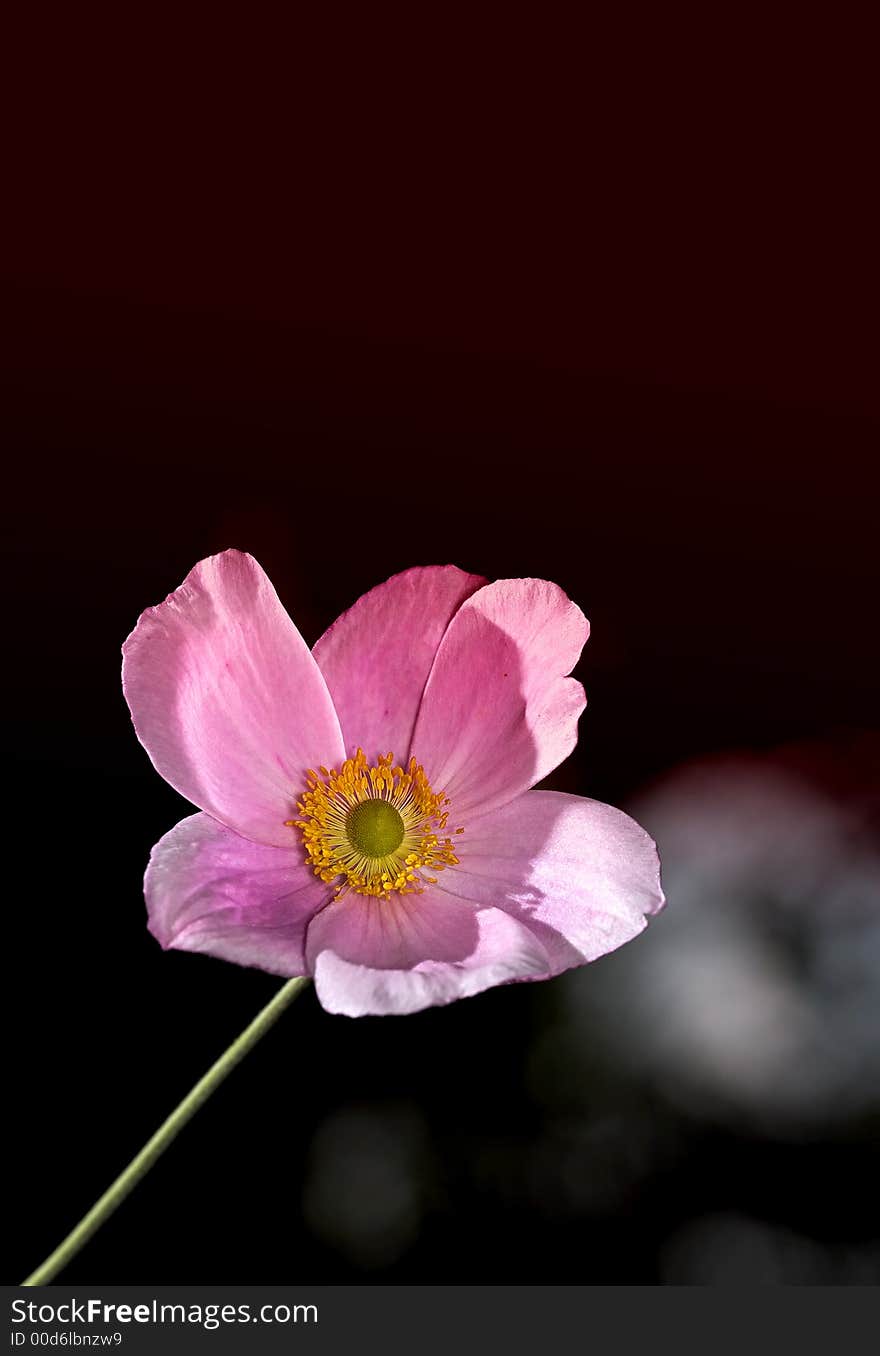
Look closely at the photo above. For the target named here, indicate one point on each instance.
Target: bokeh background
(624, 341)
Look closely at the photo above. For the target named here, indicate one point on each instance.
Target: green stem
(165, 1135)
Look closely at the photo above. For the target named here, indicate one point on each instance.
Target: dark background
(618, 330)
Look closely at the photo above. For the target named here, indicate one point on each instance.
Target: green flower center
(375, 828)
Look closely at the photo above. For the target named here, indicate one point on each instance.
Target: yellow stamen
(374, 829)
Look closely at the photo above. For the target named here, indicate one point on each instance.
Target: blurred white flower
(757, 995)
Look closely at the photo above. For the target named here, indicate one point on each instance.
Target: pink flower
(366, 813)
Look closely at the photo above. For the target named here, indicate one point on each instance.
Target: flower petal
(579, 874)
(210, 890)
(498, 714)
(414, 951)
(377, 656)
(227, 699)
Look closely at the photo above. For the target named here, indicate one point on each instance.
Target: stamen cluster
(337, 845)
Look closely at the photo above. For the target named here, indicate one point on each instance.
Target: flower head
(366, 814)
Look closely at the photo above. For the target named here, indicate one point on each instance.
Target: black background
(617, 331)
